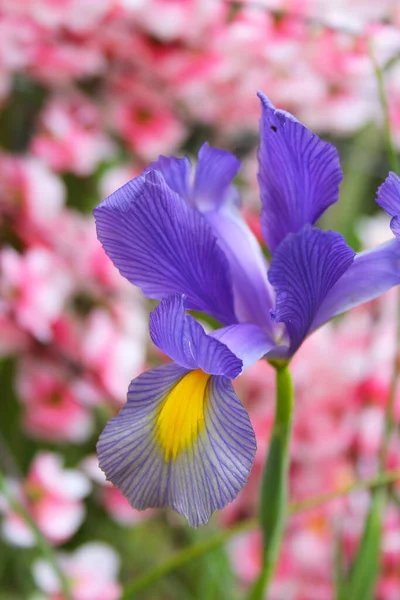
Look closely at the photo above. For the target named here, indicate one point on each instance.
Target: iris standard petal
(164, 246)
(215, 171)
(372, 273)
(253, 295)
(214, 196)
(183, 339)
(183, 440)
(176, 173)
(388, 198)
(247, 341)
(299, 174)
(305, 267)
(212, 185)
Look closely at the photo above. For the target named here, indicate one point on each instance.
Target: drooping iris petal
(214, 173)
(388, 198)
(247, 341)
(372, 273)
(253, 295)
(305, 267)
(183, 440)
(183, 339)
(299, 174)
(176, 173)
(164, 246)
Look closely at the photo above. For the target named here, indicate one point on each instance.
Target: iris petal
(164, 246)
(388, 198)
(253, 295)
(194, 474)
(184, 340)
(176, 173)
(372, 273)
(246, 340)
(212, 185)
(305, 267)
(299, 174)
(214, 173)
(215, 197)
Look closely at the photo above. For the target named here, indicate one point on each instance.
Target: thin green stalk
(183, 557)
(389, 411)
(391, 151)
(186, 555)
(364, 571)
(365, 568)
(274, 487)
(45, 548)
(7, 460)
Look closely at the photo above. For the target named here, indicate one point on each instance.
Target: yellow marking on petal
(181, 417)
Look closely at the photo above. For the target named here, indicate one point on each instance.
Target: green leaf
(274, 487)
(215, 577)
(339, 571)
(19, 115)
(365, 568)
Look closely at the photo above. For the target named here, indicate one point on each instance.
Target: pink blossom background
(90, 92)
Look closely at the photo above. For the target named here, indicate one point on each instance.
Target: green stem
(186, 555)
(364, 571)
(45, 548)
(389, 411)
(391, 150)
(183, 557)
(274, 486)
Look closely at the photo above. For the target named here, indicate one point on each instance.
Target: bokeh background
(91, 91)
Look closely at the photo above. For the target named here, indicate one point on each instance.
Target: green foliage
(364, 571)
(18, 116)
(274, 487)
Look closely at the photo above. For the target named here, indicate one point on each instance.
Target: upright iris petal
(304, 269)
(372, 273)
(183, 439)
(215, 171)
(247, 341)
(216, 198)
(299, 174)
(176, 173)
(388, 198)
(212, 182)
(252, 293)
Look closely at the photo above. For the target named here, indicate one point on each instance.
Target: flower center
(181, 417)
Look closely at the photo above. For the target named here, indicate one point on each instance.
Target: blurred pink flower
(146, 123)
(53, 497)
(52, 408)
(91, 570)
(34, 287)
(12, 339)
(58, 14)
(169, 20)
(114, 346)
(31, 198)
(70, 135)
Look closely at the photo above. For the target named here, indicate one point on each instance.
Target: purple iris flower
(183, 439)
